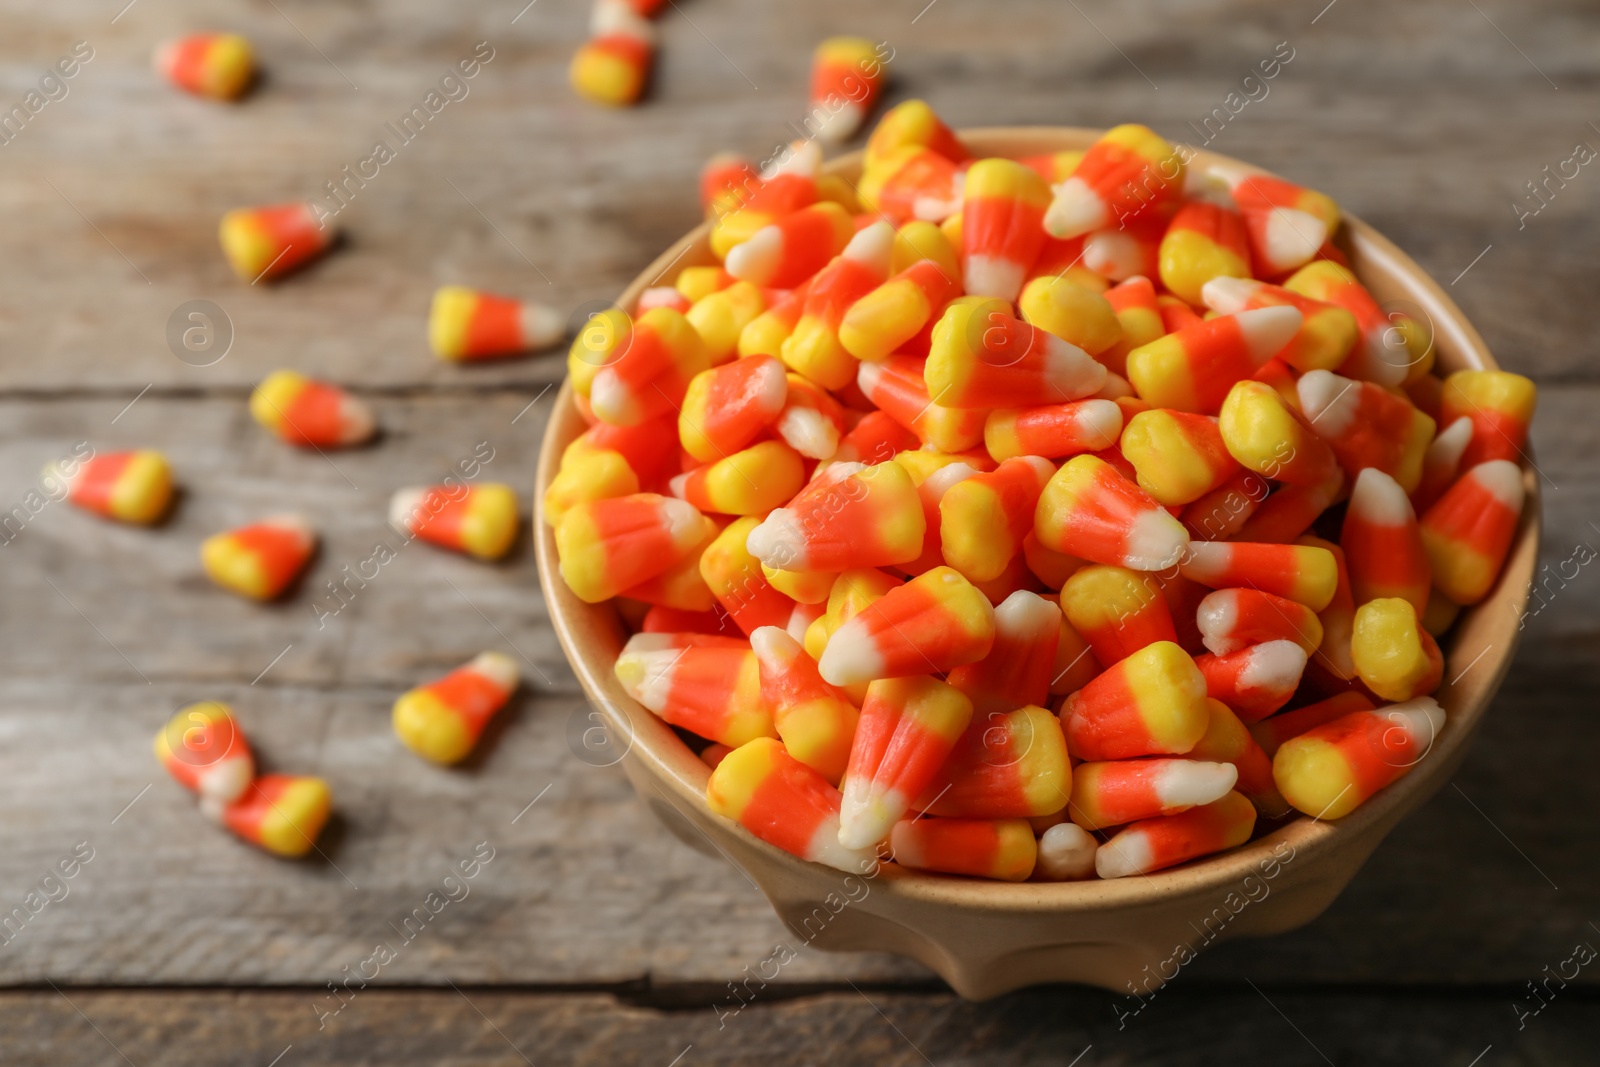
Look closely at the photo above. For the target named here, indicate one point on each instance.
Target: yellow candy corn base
(987, 938)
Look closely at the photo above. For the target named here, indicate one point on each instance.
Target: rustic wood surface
(1426, 119)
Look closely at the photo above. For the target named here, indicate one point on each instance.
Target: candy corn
(218, 65)
(1002, 849)
(1203, 241)
(1090, 511)
(1155, 844)
(310, 413)
(131, 487)
(1329, 771)
(913, 122)
(1052, 431)
(749, 482)
(1382, 543)
(1117, 611)
(907, 729)
(850, 516)
(1287, 224)
(1366, 425)
(1125, 791)
(982, 357)
(1441, 463)
(607, 546)
(442, 721)
(1395, 657)
(880, 322)
(1001, 210)
(1265, 436)
(1254, 681)
(270, 242)
(726, 407)
(1393, 348)
(282, 813)
(467, 324)
(912, 183)
(846, 76)
(816, 721)
(710, 690)
(899, 388)
(1231, 619)
(984, 518)
(1500, 406)
(1272, 732)
(203, 748)
(720, 317)
(1179, 457)
(725, 180)
(739, 582)
(1327, 331)
(1010, 764)
(1066, 853)
(931, 624)
(641, 369)
(1021, 663)
(814, 348)
(1130, 170)
(1151, 703)
(790, 250)
(1127, 251)
(784, 803)
(1227, 740)
(811, 420)
(1306, 574)
(1468, 532)
(1194, 368)
(479, 520)
(612, 66)
(260, 560)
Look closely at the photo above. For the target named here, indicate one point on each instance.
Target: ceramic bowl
(986, 938)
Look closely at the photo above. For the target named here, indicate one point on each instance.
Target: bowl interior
(1477, 654)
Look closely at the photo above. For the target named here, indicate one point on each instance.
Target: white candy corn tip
(1228, 296)
(612, 399)
(872, 247)
(618, 17)
(993, 276)
(499, 668)
(1501, 479)
(405, 506)
(296, 524)
(773, 646)
(1216, 617)
(1267, 330)
(1387, 358)
(905, 847)
(808, 432)
(1206, 561)
(226, 780)
(682, 521)
(1273, 667)
(1113, 254)
(1378, 499)
(771, 386)
(1155, 541)
(1446, 449)
(937, 484)
(356, 421)
(676, 484)
(756, 260)
(779, 540)
(649, 642)
(851, 655)
(1069, 371)
(868, 375)
(55, 479)
(867, 813)
(1076, 209)
(1066, 853)
(1100, 419)
(1207, 187)
(1420, 717)
(799, 620)
(801, 157)
(1330, 402)
(1128, 853)
(1025, 616)
(838, 126)
(658, 296)
(646, 676)
(542, 326)
(825, 848)
(1290, 238)
(1190, 783)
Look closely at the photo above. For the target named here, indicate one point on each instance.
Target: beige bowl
(986, 938)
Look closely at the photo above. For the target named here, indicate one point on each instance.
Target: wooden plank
(870, 1027)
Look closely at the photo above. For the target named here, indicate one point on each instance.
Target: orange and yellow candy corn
(1054, 430)
(282, 813)
(1500, 406)
(983, 518)
(1468, 531)
(739, 582)
(907, 729)
(710, 690)
(1002, 206)
(913, 122)
(1168, 840)
(310, 413)
(1394, 656)
(478, 520)
(1194, 368)
(1231, 619)
(814, 348)
(260, 560)
(846, 75)
(850, 516)
(1327, 331)
(1306, 574)
(1203, 241)
(607, 546)
(131, 487)
(1287, 224)
(881, 321)
(1091, 511)
(784, 803)
(929, 625)
(983, 357)
(1152, 703)
(788, 251)
(1254, 681)
(1118, 792)
(1366, 425)
(1021, 663)
(749, 482)
(815, 721)
(1272, 732)
(1010, 764)
(640, 369)
(1117, 611)
(218, 65)
(442, 721)
(1179, 456)
(898, 386)
(1329, 771)
(1265, 435)
(612, 67)
(203, 748)
(1130, 170)
(265, 243)
(1383, 544)
(468, 324)
(726, 407)
(1227, 740)
(1393, 348)
(1002, 849)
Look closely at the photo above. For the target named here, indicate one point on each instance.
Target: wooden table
(592, 936)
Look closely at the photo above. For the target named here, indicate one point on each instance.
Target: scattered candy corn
(479, 520)
(907, 729)
(1167, 840)
(846, 75)
(218, 65)
(260, 560)
(442, 721)
(203, 748)
(282, 813)
(467, 325)
(310, 413)
(131, 487)
(265, 243)
(612, 66)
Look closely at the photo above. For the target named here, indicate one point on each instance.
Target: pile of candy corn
(1048, 517)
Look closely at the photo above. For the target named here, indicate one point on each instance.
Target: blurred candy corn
(270, 242)
(846, 75)
(218, 65)
(260, 560)
(282, 813)
(479, 520)
(203, 748)
(131, 487)
(468, 324)
(310, 413)
(441, 721)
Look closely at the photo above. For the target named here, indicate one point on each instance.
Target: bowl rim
(682, 774)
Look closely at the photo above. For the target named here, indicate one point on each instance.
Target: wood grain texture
(1428, 131)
